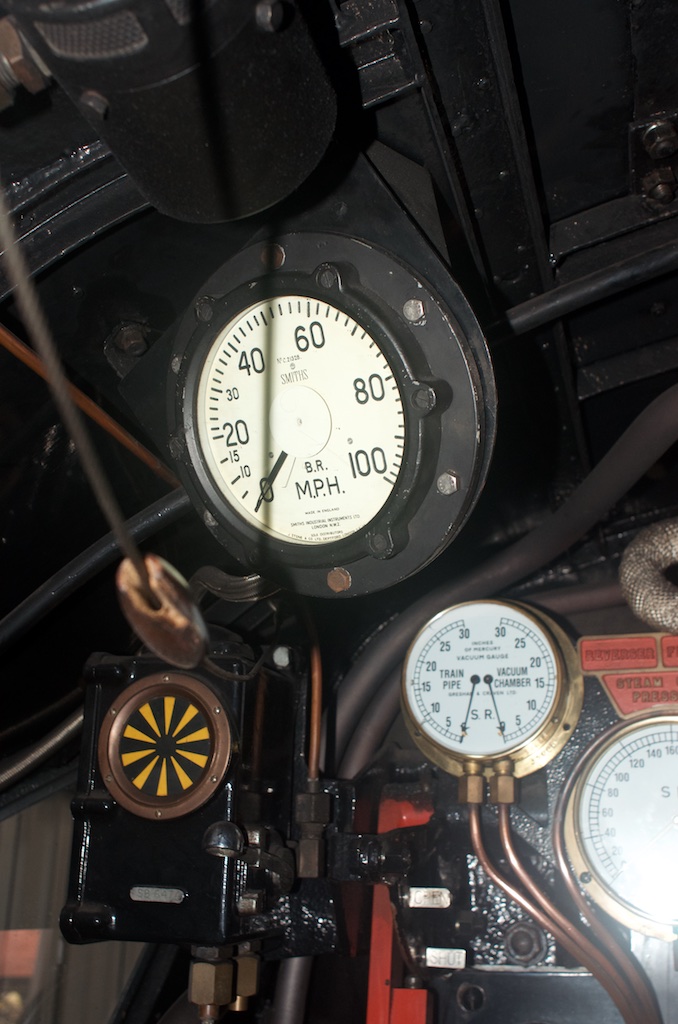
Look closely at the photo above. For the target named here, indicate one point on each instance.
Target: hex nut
(660, 185)
(447, 483)
(211, 984)
(247, 975)
(660, 140)
(471, 789)
(251, 902)
(414, 311)
(20, 58)
(313, 807)
(502, 789)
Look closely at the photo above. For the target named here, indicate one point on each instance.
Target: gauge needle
(266, 492)
(489, 680)
(464, 724)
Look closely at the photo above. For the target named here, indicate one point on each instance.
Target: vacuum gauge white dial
(300, 419)
(488, 681)
(621, 824)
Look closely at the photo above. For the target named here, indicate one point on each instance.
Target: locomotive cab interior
(338, 530)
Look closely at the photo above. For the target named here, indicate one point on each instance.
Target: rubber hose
(652, 432)
(291, 990)
(21, 765)
(85, 566)
(601, 284)
(651, 596)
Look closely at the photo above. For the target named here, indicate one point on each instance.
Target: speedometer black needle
(266, 492)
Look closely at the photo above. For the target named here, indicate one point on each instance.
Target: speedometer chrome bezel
(588, 877)
(442, 371)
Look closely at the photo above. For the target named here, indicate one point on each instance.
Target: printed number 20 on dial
(300, 420)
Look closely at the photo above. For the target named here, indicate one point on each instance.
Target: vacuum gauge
(490, 681)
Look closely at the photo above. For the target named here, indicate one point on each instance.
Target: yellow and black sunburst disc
(165, 746)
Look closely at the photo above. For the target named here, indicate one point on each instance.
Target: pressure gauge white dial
(300, 419)
(621, 824)
(488, 681)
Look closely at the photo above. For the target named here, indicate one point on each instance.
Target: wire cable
(638, 448)
(40, 334)
(88, 564)
(27, 356)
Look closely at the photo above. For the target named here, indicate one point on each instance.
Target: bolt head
(413, 310)
(447, 483)
(94, 103)
(424, 399)
(270, 15)
(339, 580)
(281, 657)
(660, 140)
(203, 309)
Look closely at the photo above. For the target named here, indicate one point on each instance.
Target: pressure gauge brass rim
(620, 823)
(328, 414)
(490, 684)
(165, 746)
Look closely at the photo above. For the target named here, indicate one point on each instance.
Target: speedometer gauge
(300, 419)
(490, 681)
(621, 824)
(331, 416)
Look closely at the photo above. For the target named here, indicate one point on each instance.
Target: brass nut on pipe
(503, 784)
(247, 974)
(211, 984)
(471, 789)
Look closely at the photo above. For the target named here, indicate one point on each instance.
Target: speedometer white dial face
(625, 817)
(480, 679)
(300, 420)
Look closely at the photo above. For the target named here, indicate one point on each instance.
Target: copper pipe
(537, 914)
(315, 718)
(594, 956)
(28, 357)
(624, 959)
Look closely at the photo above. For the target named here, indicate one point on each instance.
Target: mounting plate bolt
(447, 483)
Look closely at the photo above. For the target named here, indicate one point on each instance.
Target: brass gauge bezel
(539, 747)
(217, 746)
(588, 878)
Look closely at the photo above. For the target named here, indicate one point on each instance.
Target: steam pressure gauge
(331, 416)
(621, 824)
(490, 681)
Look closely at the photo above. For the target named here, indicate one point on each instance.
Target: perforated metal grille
(118, 35)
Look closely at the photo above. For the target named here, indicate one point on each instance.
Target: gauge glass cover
(481, 678)
(490, 681)
(623, 829)
(164, 746)
(300, 420)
